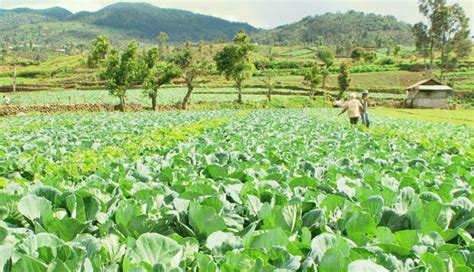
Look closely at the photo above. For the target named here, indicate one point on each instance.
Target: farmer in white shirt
(353, 108)
(6, 100)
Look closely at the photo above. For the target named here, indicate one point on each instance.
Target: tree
(145, 63)
(344, 79)
(233, 61)
(269, 74)
(396, 50)
(100, 49)
(159, 75)
(420, 30)
(312, 78)
(447, 31)
(191, 68)
(325, 55)
(163, 44)
(120, 72)
(357, 53)
(370, 57)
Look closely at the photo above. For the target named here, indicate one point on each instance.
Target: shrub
(357, 53)
(387, 61)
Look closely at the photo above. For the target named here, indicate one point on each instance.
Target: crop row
(250, 191)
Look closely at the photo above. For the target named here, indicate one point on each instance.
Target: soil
(18, 110)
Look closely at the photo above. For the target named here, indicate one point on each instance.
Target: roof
(432, 81)
(435, 88)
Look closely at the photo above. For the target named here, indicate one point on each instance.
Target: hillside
(59, 28)
(122, 22)
(53, 13)
(147, 21)
(345, 29)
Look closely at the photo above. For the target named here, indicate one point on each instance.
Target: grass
(19, 80)
(455, 117)
(58, 67)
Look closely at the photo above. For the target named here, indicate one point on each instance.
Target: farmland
(239, 190)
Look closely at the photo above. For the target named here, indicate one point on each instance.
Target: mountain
(56, 13)
(122, 22)
(147, 21)
(356, 28)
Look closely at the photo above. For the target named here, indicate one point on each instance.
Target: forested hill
(345, 29)
(122, 21)
(147, 21)
(51, 13)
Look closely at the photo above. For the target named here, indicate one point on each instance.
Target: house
(428, 93)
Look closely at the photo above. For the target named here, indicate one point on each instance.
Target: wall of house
(432, 99)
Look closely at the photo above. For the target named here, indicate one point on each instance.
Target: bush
(370, 57)
(357, 53)
(387, 61)
(286, 64)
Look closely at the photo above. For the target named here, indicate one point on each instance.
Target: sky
(260, 13)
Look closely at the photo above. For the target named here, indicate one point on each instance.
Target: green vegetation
(165, 96)
(447, 32)
(121, 72)
(275, 181)
(159, 75)
(147, 21)
(238, 191)
(344, 80)
(344, 30)
(234, 62)
(387, 67)
(457, 117)
(121, 22)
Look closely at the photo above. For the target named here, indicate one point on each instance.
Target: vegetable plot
(234, 191)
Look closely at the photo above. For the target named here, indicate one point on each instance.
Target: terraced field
(234, 191)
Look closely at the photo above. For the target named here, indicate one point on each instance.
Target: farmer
(6, 100)
(353, 108)
(364, 100)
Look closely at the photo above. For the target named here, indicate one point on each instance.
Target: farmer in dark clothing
(365, 108)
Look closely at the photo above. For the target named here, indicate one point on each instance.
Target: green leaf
(205, 263)
(254, 205)
(124, 215)
(27, 263)
(433, 262)
(92, 207)
(113, 248)
(325, 241)
(373, 205)
(407, 238)
(33, 207)
(364, 266)
(3, 234)
(288, 217)
(304, 182)
(6, 251)
(333, 261)
(204, 220)
(66, 228)
(215, 171)
(320, 244)
(314, 219)
(269, 239)
(153, 249)
(220, 242)
(385, 236)
(360, 223)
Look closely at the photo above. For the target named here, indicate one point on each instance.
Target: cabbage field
(264, 190)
